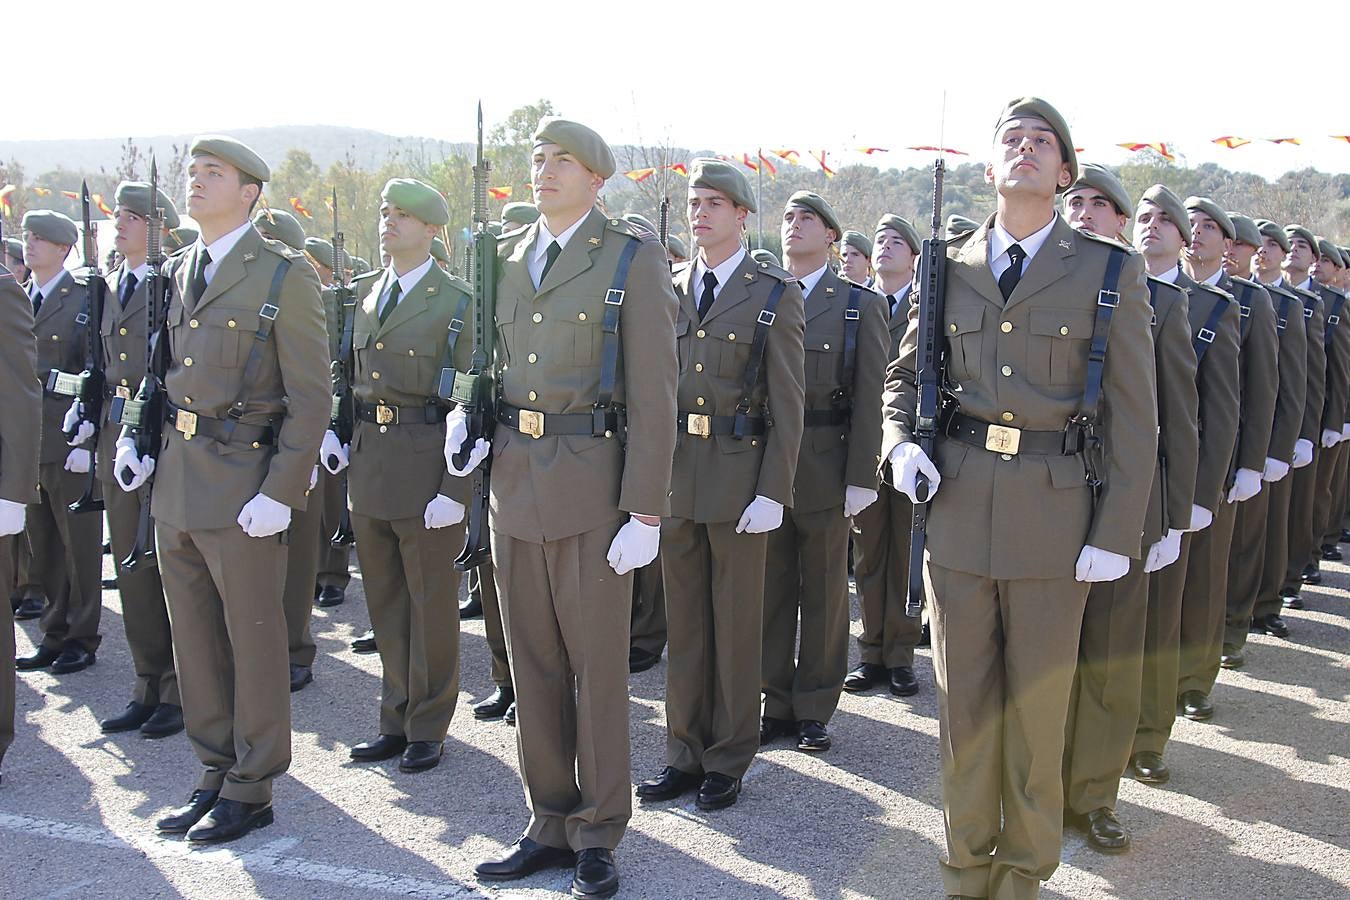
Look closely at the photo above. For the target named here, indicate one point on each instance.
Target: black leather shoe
(525, 857)
(471, 608)
(107, 548)
(1345, 535)
(1271, 624)
(671, 783)
(30, 608)
(1331, 552)
(300, 676)
(496, 704)
(110, 584)
(131, 718)
(43, 658)
(1286, 592)
(167, 720)
(640, 660)
(864, 677)
(329, 595)
(229, 820)
(1232, 658)
(596, 874)
(903, 682)
(771, 729)
(386, 746)
(812, 736)
(1104, 831)
(718, 791)
(925, 637)
(365, 643)
(1196, 706)
(1149, 768)
(179, 820)
(73, 659)
(1294, 602)
(419, 756)
(1310, 574)
(510, 717)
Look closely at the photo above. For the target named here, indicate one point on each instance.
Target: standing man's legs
(302, 566)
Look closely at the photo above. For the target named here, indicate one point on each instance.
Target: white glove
(263, 517)
(76, 415)
(1330, 437)
(1303, 451)
(12, 516)
(1201, 519)
(907, 461)
(313, 478)
(1246, 485)
(1165, 552)
(1274, 470)
(333, 454)
(443, 511)
(456, 433)
(77, 461)
(1345, 432)
(1096, 564)
(73, 415)
(856, 499)
(127, 461)
(760, 516)
(634, 546)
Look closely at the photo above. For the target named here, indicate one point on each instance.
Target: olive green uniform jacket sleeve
(1315, 322)
(20, 395)
(1258, 357)
(1338, 360)
(1219, 382)
(1178, 412)
(1292, 380)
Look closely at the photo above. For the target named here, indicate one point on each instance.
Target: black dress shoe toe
(1332, 552)
(167, 720)
(73, 659)
(131, 718)
(1345, 536)
(496, 704)
(640, 660)
(718, 791)
(671, 783)
(525, 857)
(1196, 706)
(471, 608)
(110, 584)
(1232, 657)
(596, 874)
(419, 756)
(771, 729)
(179, 820)
(386, 746)
(1148, 767)
(1310, 574)
(300, 676)
(510, 716)
(1271, 624)
(30, 608)
(229, 820)
(903, 682)
(1294, 602)
(812, 736)
(365, 643)
(864, 677)
(925, 636)
(1105, 833)
(43, 658)
(330, 596)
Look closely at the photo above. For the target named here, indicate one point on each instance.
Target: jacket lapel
(232, 268)
(736, 290)
(1051, 263)
(53, 304)
(825, 296)
(135, 303)
(681, 281)
(974, 269)
(412, 304)
(370, 304)
(577, 256)
(516, 272)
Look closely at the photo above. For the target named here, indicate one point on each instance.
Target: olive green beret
(640, 221)
(439, 252)
(1162, 196)
(1331, 251)
(1094, 175)
(1245, 230)
(1273, 231)
(234, 152)
(1035, 106)
(720, 175)
(676, 246)
(417, 198)
(765, 256)
(1300, 231)
(519, 213)
(359, 265)
(182, 236)
(321, 250)
(816, 203)
(135, 196)
(1211, 209)
(859, 241)
(51, 225)
(588, 147)
(281, 226)
(14, 247)
(958, 225)
(905, 230)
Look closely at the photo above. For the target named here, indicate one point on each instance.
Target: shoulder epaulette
(366, 276)
(681, 266)
(1111, 242)
(623, 226)
(1246, 282)
(783, 275)
(179, 252)
(459, 284)
(1167, 285)
(280, 249)
(513, 233)
(1214, 289)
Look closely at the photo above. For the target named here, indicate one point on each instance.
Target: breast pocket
(1057, 351)
(577, 333)
(734, 348)
(225, 335)
(823, 358)
(361, 350)
(965, 341)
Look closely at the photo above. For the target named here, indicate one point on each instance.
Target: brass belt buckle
(699, 425)
(1002, 439)
(122, 391)
(385, 415)
(532, 423)
(186, 422)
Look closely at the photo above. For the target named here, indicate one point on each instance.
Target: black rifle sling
(754, 365)
(1205, 336)
(1107, 301)
(609, 349)
(842, 397)
(1333, 318)
(1282, 314)
(1244, 299)
(267, 317)
(452, 333)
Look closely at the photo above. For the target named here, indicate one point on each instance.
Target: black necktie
(890, 298)
(1007, 282)
(705, 300)
(551, 256)
(128, 288)
(199, 275)
(37, 302)
(389, 304)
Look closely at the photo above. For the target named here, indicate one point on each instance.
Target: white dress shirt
(723, 271)
(220, 248)
(406, 282)
(49, 288)
(809, 281)
(1000, 240)
(1170, 276)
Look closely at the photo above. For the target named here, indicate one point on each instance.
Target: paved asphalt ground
(1258, 805)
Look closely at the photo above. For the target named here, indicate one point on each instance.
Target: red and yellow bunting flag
(70, 195)
(641, 174)
(819, 156)
(5, 202)
(1160, 148)
(1294, 141)
(680, 169)
(1341, 137)
(789, 156)
(870, 150)
(749, 163)
(768, 166)
(42, 191)
(1231, 142)
(102, 207)
(931, 149)
(300, 208)
(500, 193)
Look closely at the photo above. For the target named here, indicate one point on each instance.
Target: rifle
(476, 389)
(88, 385)
(143, 416)
(930, 369)
(343, 415)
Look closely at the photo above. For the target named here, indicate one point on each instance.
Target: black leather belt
(191, 424)
(1008, 440)
(816, 418)
(601, 422)
(382, 414)
(703, 426)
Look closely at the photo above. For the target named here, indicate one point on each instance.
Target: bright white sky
(727, 76)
